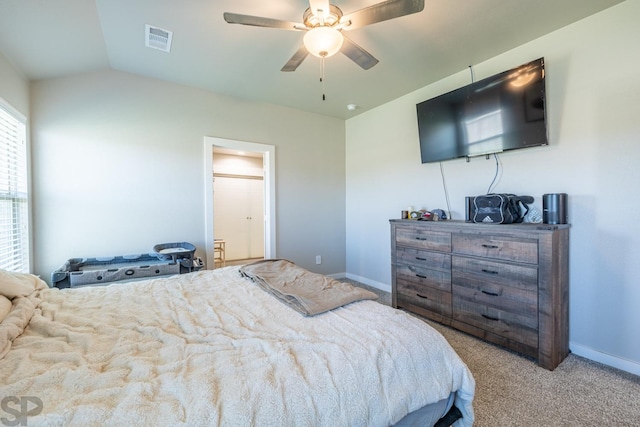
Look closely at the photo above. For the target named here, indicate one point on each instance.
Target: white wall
(593, 100)
(118, 167)
(14, 87)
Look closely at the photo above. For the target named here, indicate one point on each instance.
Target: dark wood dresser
(507, 284)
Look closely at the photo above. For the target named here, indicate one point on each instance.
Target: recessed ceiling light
(352, 107)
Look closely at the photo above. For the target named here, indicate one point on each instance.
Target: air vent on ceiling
(157, 38)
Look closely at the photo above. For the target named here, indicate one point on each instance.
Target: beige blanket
(210, 348)
(307, 292)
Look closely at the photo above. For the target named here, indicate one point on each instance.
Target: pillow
(19, 284)
(5, 307)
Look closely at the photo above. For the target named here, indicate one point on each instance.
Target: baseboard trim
(378, 285)
(606, 359)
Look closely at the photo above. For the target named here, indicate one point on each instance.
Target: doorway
(238, 205)
(248, 224)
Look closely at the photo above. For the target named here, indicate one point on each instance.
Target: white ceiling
(48, 39)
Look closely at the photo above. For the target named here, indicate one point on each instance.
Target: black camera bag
(500, 208)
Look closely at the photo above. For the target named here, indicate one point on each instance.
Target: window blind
(14, 194)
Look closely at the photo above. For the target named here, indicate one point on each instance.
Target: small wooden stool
(219, 259)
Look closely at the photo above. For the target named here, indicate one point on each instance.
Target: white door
(256, 218)
(239, 216)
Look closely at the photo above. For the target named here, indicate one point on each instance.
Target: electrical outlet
(318, 259)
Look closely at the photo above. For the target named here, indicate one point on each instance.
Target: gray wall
(118, 166)
(594, 129)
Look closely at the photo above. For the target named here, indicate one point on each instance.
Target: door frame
(269, 166)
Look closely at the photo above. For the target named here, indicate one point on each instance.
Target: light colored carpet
(511, 390)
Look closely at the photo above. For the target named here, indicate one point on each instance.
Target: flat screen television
(496, 114)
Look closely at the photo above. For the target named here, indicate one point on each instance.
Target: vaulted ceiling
(49, 39)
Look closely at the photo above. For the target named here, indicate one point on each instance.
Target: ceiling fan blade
(295, 60)
(319, 8)
(258, 21)
(357, 54)
(381, 12)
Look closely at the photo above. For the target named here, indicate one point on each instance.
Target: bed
(213, 348)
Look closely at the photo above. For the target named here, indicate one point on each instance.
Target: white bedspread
(212, 348)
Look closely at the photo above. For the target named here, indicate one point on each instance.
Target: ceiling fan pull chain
(322, 79)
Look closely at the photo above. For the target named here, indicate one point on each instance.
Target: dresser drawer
(522, 328)
(423, 239)
(425, 259)
(426, 297)
(426, 277)
(474, 271)
(503, 248)
(505, 298)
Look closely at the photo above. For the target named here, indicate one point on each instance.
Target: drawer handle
(421, 238)
(484, 270)
(421, 276)
(420, 259)
(490, 246)
(493, 294)
(490, 318)
(422, 296)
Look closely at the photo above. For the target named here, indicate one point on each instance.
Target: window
(14, 193)
(484, 133)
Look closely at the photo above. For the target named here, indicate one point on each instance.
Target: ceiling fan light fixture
(323, 42)
(323, 23)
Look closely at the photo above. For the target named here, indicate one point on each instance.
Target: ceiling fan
(324, 23)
